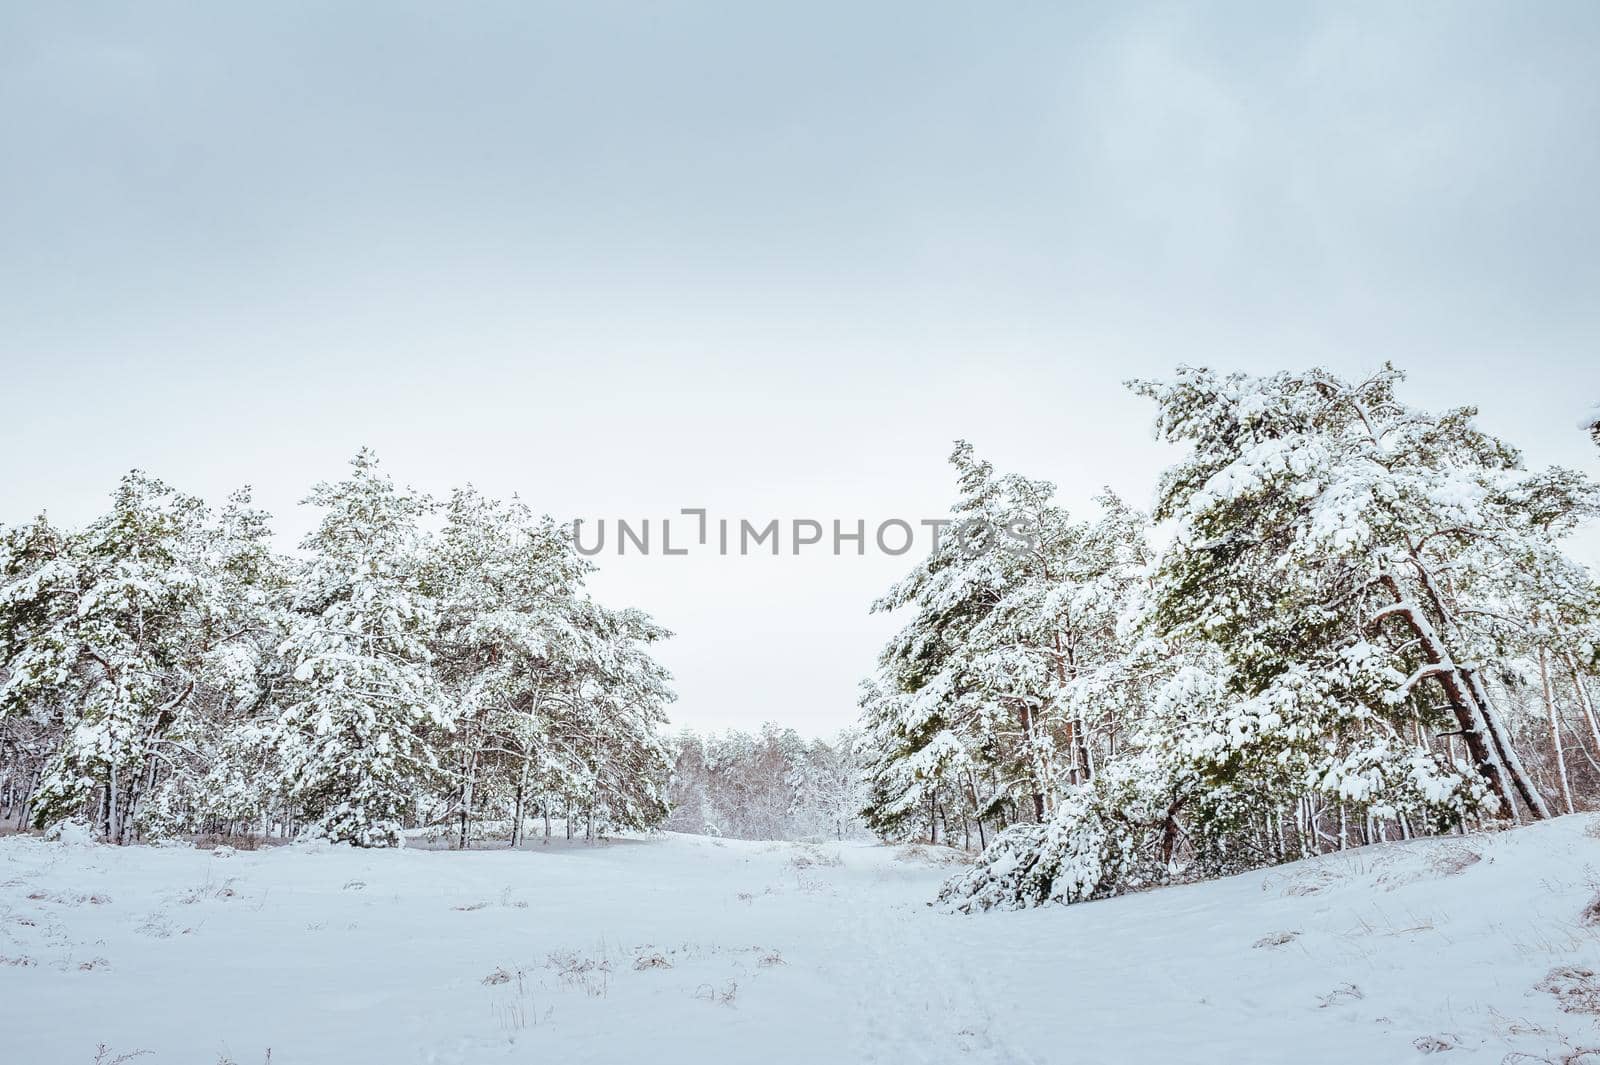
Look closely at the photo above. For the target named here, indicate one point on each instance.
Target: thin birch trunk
(467, 797)
(1555, 729)
(1584, 700)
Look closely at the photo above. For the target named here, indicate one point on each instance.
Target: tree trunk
(1490, 721)
(141, 791)
(1555, 729)
(1078, 767)
(517, 813)
(1025, 716)
(467, 787)
(113, 811)
(1169, 833)
(1519, 775)
(26, 808)
(1583, 700)
(1473, 716)
(972, 786)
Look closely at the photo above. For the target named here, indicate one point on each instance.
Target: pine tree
(1344, 549)
(357, 733)
(505, 586)
(610, 760)
(122, 637)
(218, 768)
(990, 700)
(954, 696)
(555, 697)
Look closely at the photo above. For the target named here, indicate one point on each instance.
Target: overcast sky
(765, 259)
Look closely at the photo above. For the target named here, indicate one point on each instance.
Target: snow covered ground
(686, 949)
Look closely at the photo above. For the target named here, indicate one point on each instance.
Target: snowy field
(686, 949)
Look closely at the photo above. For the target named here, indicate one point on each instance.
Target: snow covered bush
(1084, 851)
(72, 831)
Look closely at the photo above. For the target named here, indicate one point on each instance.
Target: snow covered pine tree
(555, 698)
(355, 735)
(993, 698)
(119, 641)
